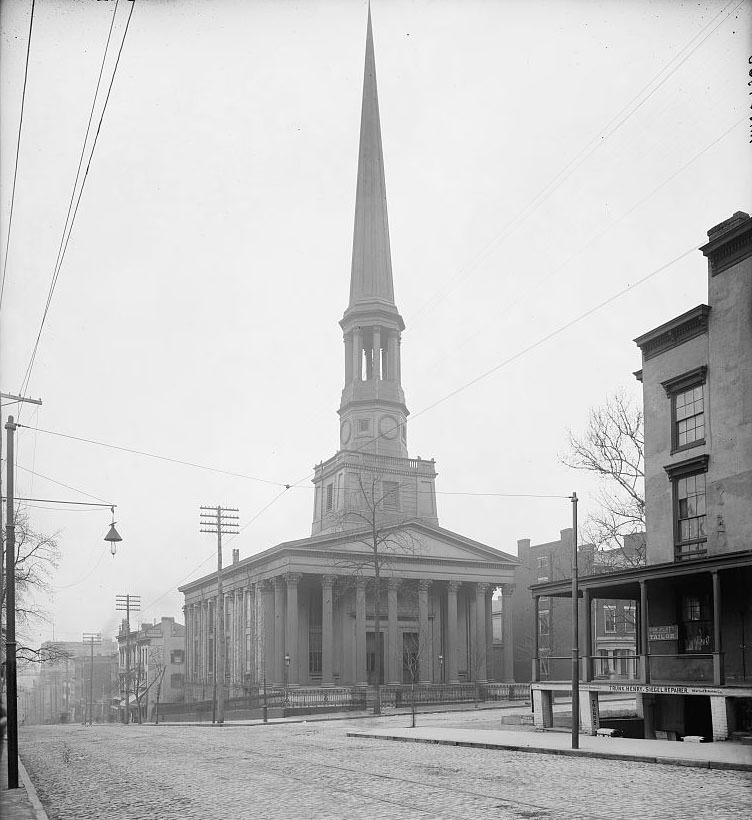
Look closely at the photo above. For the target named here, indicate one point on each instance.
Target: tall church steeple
(372, 410)
(373, 414)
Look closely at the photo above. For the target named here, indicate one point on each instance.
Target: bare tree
(415, 654)
(612, 446)
(37, 557)
(371, 517)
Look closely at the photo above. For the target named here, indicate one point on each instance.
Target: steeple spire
(371, 273)
(372, 411)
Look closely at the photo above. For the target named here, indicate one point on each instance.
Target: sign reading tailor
(670, 632)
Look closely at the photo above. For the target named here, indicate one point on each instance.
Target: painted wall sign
(650, 689)
(670, 632)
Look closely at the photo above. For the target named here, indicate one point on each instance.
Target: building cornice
(730, 243)
(676, 332)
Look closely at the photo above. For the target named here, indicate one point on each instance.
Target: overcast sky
(541, 158)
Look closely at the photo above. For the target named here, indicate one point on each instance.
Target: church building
(305, 613)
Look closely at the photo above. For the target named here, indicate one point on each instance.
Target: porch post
(536, 630)
(644, 645)
(588, 659)
(718, 676)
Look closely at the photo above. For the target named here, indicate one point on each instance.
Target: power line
(61, 254)
(156, 456)
(18, 151)
(585, 152)
(60, 484)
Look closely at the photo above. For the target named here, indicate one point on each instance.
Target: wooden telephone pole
(219, 521)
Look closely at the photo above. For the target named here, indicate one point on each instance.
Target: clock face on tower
(388, 427)
(344, 432)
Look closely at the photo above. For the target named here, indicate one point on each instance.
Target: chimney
(235, 556)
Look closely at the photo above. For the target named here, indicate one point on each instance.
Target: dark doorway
(697, 716)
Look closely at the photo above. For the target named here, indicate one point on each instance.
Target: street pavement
(290, 770)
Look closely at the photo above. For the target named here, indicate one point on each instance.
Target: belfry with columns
(303, 613)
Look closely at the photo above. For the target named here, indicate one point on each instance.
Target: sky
(551, 170)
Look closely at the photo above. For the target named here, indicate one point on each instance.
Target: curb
(31, 793)
(669, 761)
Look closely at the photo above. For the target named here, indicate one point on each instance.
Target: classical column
(361, 674)
(188, 642)
(424, 638)
(277, 661)
(357, 350)
(377, 353)
(398, 360)
(348, 340)
(269, 653)
(327, 630)
(507, 631)
(481, 660)
(489, 633)
(291, 630)
(205, 613)
(391, 355)
(451, 632)
(394, 667)
(251, 635)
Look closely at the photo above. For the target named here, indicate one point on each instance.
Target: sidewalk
(21, 803)
(702, 755)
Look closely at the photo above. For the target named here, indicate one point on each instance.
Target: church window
(329, 497)
(364, 425)
(391, 495)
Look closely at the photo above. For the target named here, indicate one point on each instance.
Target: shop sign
(670, 632)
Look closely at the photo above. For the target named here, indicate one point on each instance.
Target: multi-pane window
(544, 622)
(329, 497)
(690, 513)
(609, 618)
(689, 416)
(364, 425)
(696, 626)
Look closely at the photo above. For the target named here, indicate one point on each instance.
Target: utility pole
(124, 603)
(93, 639)
(219, 521)
(11, 687)
(575, 633)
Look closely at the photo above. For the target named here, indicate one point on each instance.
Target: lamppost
(441, 668)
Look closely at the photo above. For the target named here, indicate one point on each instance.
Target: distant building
(612, 621)
(151, 667)
(692, 599)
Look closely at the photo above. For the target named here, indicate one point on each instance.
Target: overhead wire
(70, 222)
(18, 152)
(584, 153)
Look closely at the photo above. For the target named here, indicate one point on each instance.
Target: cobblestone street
(312, 770)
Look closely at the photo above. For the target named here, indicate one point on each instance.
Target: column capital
(293, 578)
(507, 589)
(278, 581)
(328, 581)
(453, 586)
(264, 584)
(424, 584)
(394, 583)
(482, 587)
